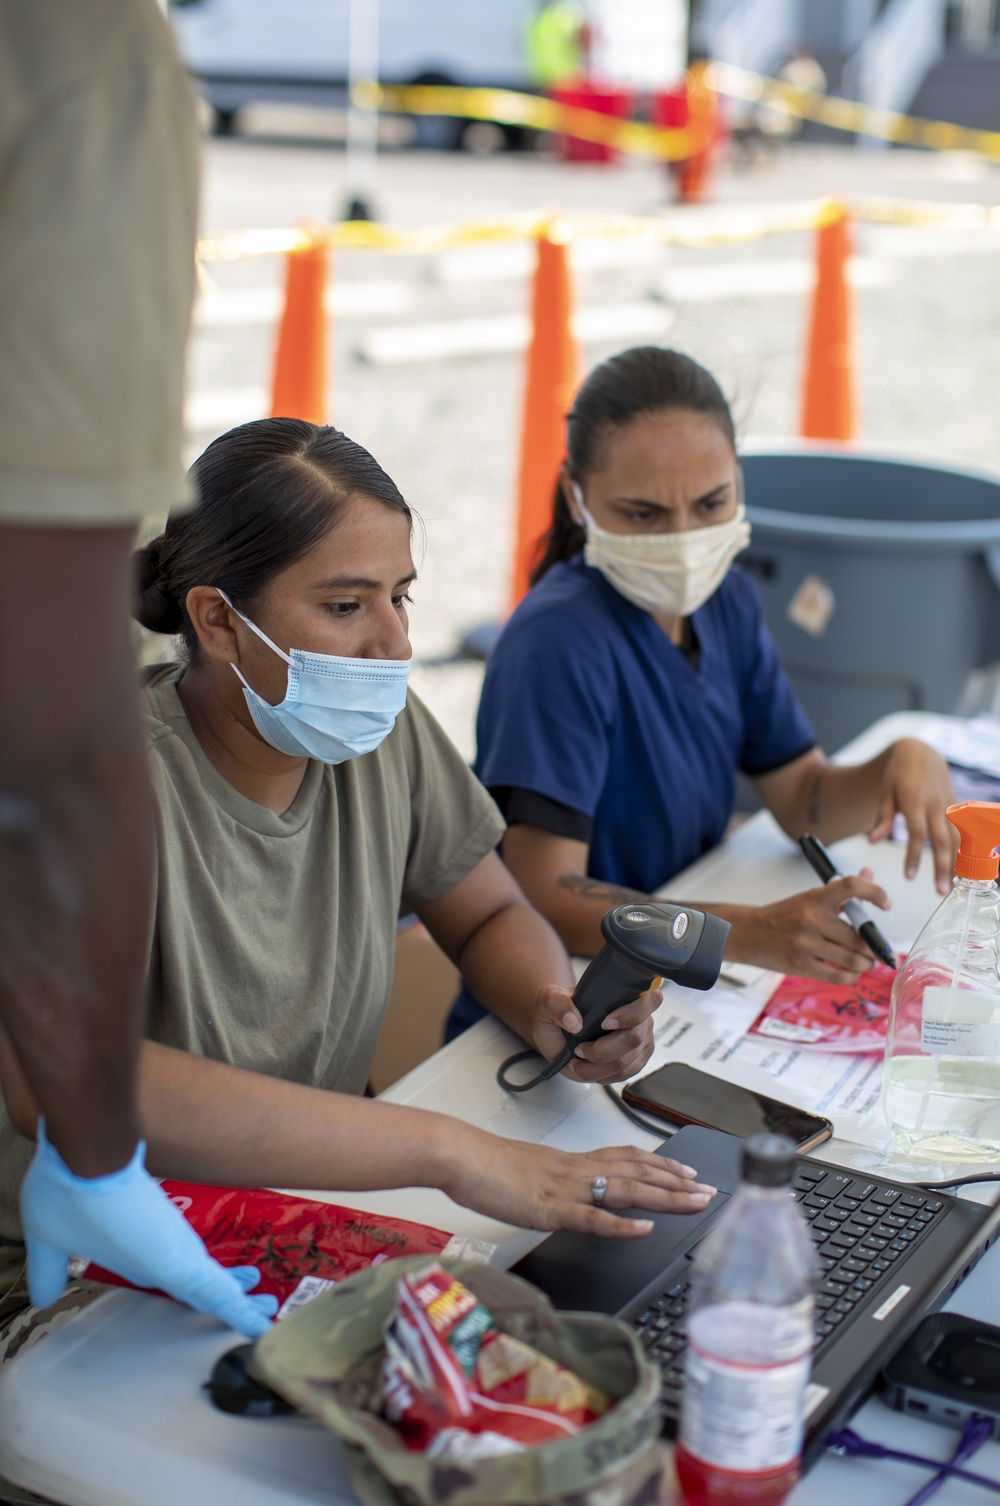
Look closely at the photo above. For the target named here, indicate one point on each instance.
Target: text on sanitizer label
(959, 1023)
(738, 1414)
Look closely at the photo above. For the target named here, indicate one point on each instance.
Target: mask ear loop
(260, 634)
(254, 629)
(588, 523)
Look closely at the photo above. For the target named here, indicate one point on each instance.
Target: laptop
(888, 1253)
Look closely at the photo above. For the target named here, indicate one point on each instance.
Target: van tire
(437, 133)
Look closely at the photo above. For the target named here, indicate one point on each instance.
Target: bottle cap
(768, 1160)
(978, 821)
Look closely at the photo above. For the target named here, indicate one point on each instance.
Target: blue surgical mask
(334, 708)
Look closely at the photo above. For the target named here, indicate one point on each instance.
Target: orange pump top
(979, 824)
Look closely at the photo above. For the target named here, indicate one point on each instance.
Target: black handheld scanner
(644, 944)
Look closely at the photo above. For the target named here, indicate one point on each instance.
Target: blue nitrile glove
(127, 1223)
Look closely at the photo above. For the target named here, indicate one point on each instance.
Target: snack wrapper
(457, 1386)
(301, 1247)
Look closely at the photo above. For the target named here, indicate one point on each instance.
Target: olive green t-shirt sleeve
(454, 823)
(98, 200)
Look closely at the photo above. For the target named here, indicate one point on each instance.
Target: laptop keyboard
(860, 1229)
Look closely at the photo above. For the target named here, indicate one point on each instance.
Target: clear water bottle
(750, 1340)
(941, 1088)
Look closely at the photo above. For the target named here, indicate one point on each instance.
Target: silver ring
(598, 1191)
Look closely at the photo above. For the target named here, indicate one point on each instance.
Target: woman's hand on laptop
(540, 1188)
(620, 1053)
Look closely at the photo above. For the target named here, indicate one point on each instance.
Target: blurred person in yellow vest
(555, 43)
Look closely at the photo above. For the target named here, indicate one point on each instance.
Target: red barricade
(580, 95)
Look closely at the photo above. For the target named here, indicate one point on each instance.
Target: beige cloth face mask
(671, 574)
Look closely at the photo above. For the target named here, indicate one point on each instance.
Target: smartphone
(683, 1095)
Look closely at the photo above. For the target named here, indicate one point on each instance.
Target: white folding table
(110, 1410)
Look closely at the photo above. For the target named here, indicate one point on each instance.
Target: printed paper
(709, 1031)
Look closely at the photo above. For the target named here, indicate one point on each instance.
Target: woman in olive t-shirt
(299, 802)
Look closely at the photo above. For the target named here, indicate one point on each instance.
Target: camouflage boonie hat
(326, 1360)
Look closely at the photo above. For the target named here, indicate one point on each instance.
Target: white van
(247, 50)
(242, 51)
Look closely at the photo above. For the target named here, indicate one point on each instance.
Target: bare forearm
(209, 1122)
(830, 800)
(850, 797)
(505, 963)
(75, 836)
(748, 941)
(212, 1123)
(575, 906)
(514, 963)
(741, 946)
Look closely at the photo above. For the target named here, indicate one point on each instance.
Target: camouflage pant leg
(21, 1327)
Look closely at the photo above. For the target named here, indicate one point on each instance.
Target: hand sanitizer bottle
(941, 1088)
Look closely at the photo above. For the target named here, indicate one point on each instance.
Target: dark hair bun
(153, 604)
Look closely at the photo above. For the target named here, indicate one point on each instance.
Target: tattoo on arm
(613, 894)
(812, 813)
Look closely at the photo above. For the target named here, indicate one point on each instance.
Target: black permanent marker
(824, 867)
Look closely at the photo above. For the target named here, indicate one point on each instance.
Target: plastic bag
(301, 1247)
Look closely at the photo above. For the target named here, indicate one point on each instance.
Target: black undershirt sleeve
(773, 768)
(538, 810)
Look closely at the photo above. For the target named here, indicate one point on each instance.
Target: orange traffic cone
(553, 373)
(299, 386)
(828, 410)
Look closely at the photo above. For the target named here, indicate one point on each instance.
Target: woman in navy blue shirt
(637, 677)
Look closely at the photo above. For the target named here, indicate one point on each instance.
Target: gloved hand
(126, 1223)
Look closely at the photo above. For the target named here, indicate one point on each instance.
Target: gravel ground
(928, 310)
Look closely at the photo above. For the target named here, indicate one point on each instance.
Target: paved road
(445, 425)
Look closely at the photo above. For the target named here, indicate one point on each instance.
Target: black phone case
(632, 1095)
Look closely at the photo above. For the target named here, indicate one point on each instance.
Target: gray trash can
(880, 579)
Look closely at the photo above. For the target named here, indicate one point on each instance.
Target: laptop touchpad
(588, 1273)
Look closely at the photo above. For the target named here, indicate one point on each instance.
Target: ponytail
(564, 538)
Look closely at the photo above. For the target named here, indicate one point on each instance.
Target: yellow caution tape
(238, 245)
(508, 107)
(367, 235)
(691, 227)
(850, 115)
(537, 113)
(927, 214)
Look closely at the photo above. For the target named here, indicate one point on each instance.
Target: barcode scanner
(644, 944)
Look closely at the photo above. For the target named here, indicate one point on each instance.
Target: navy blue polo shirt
(588, 704)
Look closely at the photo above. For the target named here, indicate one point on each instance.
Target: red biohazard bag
(300, 1247)
(830, 1016)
